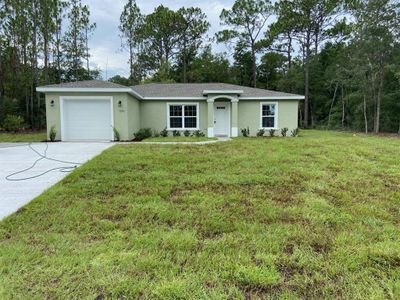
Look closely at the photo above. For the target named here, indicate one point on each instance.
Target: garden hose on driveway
(42, 156)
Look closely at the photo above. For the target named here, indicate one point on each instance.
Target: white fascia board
(220, 92)
(174, 98)
(88, 90)
(273, 98)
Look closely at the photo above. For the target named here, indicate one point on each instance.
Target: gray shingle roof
(196, 90)
(87, 84)
(170, 90)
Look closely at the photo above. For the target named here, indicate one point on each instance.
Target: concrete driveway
(15, 157)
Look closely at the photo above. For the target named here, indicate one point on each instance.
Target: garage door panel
(87, 119)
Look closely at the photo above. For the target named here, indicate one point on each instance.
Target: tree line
(343, 55)
(41, 42)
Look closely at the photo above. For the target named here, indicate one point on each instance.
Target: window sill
(182, 129)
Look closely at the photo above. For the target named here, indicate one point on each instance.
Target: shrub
(156, 133)
(117, 136)
(284, 131)
(53, 133)
(261, 132)
(13, 123)
(272, 132)
(198, 133)
(164, 132)
(142, 134)
(176, 133)
(186, 133)
(245, 131)
(294, 132)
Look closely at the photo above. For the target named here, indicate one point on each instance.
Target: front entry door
(221, 118)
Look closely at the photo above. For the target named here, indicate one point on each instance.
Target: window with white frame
(183, 116)
(269, 113)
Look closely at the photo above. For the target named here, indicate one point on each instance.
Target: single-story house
(90, 110)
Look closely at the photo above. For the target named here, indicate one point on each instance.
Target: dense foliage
(343, 55)
(41, 42)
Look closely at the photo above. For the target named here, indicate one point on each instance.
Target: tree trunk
(306, 94)
(289, 51)
(333, 101)
(365, 114)
(343, 109)
(253, 56)
(131, 61)
(378, 105)
(184, 63)
(307, 81)
(46, 58)
(87, 51)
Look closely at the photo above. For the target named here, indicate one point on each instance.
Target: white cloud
(105, 43)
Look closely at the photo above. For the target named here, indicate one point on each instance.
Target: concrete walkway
(16, 157)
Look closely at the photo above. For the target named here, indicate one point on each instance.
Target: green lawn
(179, 139)
(22, 137)
(310, 217)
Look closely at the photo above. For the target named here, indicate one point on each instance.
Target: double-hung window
(269, 115)
(183, 116)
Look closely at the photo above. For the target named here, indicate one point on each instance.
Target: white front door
(221, 118)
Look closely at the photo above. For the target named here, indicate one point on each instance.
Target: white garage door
(86, 119)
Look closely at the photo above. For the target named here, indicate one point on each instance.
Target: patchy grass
(310, 217)
(179, 139)
(7, 137)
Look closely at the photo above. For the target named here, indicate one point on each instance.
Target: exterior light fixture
(52, 103)
(119, 103)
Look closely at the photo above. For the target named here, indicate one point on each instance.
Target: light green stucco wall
(153, 114)
(120, 114)
(250, 114)
(135, 114)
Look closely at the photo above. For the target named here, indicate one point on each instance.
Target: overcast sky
(105, 44)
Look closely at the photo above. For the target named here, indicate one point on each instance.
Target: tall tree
(246, 19)
(161, 37)
(75, 41)
(375, 32)
(193, 26)
(131, 22)
(309, 22)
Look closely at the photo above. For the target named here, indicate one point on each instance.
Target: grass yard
(311, 217)
(179, 139)
(8, 137)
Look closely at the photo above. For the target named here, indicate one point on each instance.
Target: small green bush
(156, 133)
(245, 131)
(176, 133)
(53, 133)
(261, 132)
(13, 123)
(284, 131)
(142, 134)
(272, 132)
(295, 132)
(164, 132)
(117, 136)
(198, 133)
(186, 133)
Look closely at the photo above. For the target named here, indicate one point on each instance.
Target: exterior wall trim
(273, 98)
(174, 98)
(221, 92)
